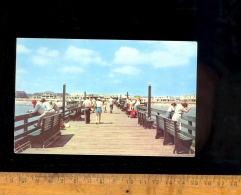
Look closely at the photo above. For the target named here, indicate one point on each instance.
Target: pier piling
(64, 88)
(149, 101)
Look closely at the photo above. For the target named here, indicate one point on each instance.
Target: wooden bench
(159, 127)
(49, 131)
(148, 122)
(144, 120)
(172, 135)
(140, 115)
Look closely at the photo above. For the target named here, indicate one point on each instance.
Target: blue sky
(106, 66)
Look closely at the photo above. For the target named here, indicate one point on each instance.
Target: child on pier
(104, 105)
(171, 110)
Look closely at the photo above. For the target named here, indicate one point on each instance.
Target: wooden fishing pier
(117, 135)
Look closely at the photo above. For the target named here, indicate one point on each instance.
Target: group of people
(132, 104)
(43, 108)
(96, 106)
(175, 112)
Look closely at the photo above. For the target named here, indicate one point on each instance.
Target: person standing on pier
(93, 101)
(138, 103)
(87, 106)
(180, 109)
(111, 101)
(98, 110)
(171, 110)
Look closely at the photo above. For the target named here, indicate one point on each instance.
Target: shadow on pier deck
(117, 135)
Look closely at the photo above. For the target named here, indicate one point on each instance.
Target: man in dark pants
(87, 106)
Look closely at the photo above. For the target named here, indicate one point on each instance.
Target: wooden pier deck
(117, 135)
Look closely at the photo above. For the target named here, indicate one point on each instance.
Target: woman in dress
(180, 109)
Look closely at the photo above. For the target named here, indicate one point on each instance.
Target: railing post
(64, 88)
(25, 121)
(190, 123)
(149, 101)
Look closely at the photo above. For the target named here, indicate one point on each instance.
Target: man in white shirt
(87, 106)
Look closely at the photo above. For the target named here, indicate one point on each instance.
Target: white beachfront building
(48, 95)
(188, 98)
(76, 95)
(165, 98)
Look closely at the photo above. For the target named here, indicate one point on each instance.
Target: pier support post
(149, 101)
(64, 88)
(84, 95)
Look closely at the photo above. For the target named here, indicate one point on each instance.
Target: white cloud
(117, 81)
(111, 75)
(44, 51)
(167, 59)
(127, 55)
(45, 57)
(184, 48)
(128, 70)
(163, 54)
(22, 49)
(71, 69)
(39, 60)
(84, 56)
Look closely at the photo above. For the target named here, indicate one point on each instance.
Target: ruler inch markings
(90, 183)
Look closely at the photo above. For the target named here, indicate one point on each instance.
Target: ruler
(111, 184)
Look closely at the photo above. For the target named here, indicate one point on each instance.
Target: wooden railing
(188, 122)
(26, 126)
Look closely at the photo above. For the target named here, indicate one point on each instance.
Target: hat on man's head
(98, 98)
(42, 100)
(33, 101)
